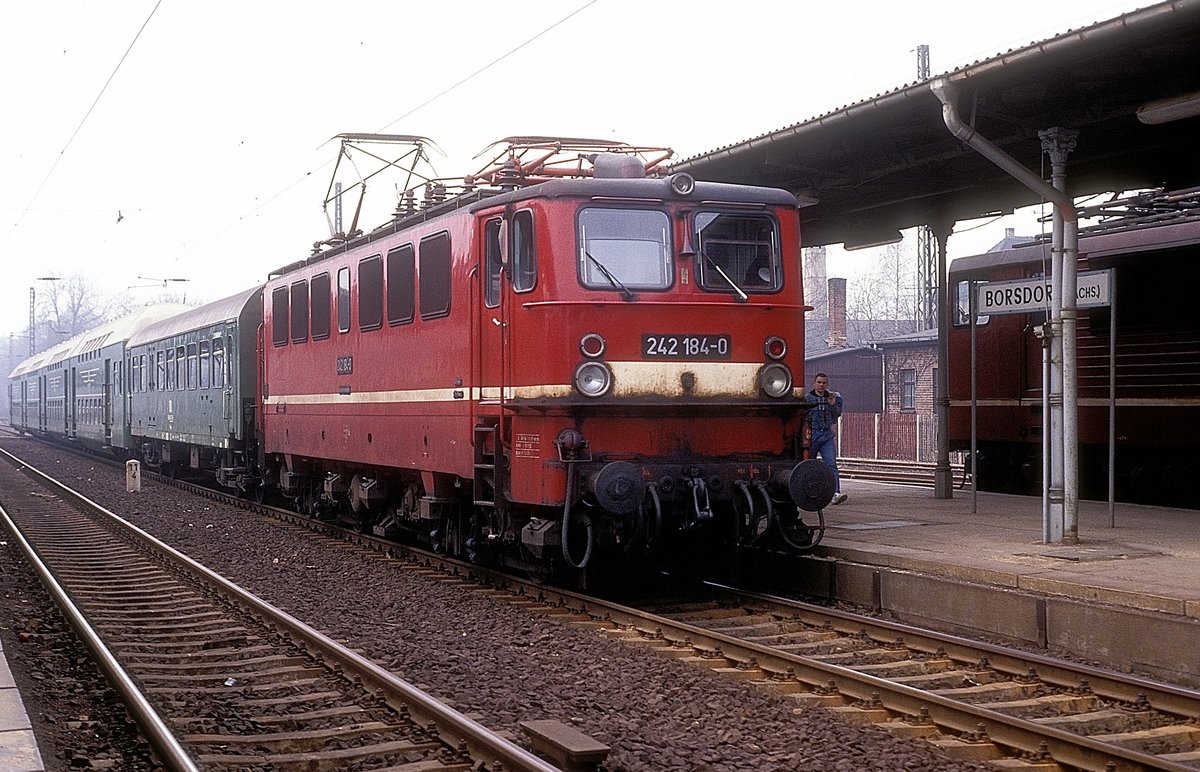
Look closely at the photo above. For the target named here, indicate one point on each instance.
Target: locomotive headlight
(775, 380)
(593, 379)
(592, 345)
(775, 347)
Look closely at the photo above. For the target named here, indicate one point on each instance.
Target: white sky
(210, 138)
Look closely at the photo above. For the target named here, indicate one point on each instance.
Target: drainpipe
(1060, 499)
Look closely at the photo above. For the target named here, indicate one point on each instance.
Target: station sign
(1023, 296)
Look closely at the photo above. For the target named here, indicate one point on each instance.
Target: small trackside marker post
(133, 476)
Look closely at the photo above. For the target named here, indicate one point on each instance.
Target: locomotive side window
(962, 306)
(491, 263)
(343, 300)
(738, 249)
(401, 271)
(279, 316)
(524, 258)
(434, 275)
(624, 249)
(299, 311)
(319, 306)
(370, 293)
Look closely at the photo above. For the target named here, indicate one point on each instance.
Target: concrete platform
(18, 748)
(1125, 595)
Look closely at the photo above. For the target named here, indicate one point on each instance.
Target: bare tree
(71, 305)
(885, 298)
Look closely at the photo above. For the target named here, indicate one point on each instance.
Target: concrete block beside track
(1148, 642)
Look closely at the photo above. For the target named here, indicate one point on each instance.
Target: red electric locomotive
(571, 357)
(1151, 242)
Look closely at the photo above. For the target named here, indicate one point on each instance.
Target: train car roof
(115, 331)
(1138, 238)
(207, 315)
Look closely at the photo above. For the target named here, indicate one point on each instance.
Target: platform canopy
(1130, 86)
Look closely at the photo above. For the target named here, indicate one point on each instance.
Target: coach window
(370, 293)
(180, 368)
(524, 258)
(401, 286)
(161, 370)
(343, 300)
(962, 305)
(738, 252)
(170, 370)
(624, 249)
(279, 316)
(218, 363)
(151, 383)
(434, 276)
(492, 263)
(205, 365)
(137, 373)
(142, 363)
(319, 304)
(299, 314)
(191, 365)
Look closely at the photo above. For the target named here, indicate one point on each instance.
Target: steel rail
(480, 741)
(150, 724)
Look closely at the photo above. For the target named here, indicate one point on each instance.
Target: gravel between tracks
(495, 662)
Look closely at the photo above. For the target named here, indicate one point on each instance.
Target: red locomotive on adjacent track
(1151, 241)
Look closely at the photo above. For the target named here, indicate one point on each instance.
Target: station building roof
(874, 167)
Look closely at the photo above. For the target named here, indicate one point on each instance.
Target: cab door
(491, 321)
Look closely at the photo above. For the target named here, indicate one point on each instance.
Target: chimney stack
(836, 337)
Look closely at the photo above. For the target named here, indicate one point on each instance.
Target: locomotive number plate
(684, 346)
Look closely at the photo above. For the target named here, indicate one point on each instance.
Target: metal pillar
(32, 297)
(1063, 492)
(943, 482)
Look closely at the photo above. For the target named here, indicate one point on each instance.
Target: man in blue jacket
(822, 419)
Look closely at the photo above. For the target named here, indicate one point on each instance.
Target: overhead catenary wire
(70, 140)
(301, 179)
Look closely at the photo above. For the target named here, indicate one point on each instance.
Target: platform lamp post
(32, 304)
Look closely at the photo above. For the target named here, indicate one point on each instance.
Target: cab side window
(524, 256)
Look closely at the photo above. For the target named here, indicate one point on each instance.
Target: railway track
(973, 700)
(215, 677)
(898, 472)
